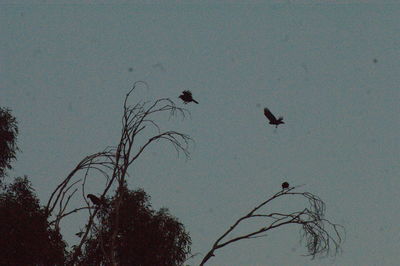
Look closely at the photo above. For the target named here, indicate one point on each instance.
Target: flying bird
(285, 185)
(94, 199)
(187, 97)
(272, 119)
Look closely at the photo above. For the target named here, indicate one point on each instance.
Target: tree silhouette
(321, 236)
(8, 140)
(112, 164)
(144, 237)
(121, 226)
(26, 238)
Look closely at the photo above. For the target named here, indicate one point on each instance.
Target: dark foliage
(26, 238)
(144, 236)
(8, 139)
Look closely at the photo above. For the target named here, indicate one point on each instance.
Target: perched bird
(272, 119)
(186, 97)
(94, 199)
(285, 185)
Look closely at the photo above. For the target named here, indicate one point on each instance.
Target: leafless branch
(321, 236)
(113, 163)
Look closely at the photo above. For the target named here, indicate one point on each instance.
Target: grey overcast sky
(332, 70)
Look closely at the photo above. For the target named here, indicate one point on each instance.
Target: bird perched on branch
(285, 185)
(94, 199)
(272, 119)
(187, 97)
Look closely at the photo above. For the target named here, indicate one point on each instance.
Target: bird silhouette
(187, 97)
(285, 185)
(272, 119)
(94, 199)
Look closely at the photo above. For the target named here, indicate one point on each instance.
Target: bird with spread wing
(187, 97)
(272, 119)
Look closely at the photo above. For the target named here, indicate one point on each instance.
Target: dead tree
(113, 163)
(321, 236)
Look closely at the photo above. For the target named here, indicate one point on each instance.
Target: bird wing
(269, 115)
(187, 93)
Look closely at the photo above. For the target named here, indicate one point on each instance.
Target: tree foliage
(111, 167)
(144, 236)
(121, 227)
(8, 139)
(26, 238)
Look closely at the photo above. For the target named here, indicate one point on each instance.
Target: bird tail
(196, 101)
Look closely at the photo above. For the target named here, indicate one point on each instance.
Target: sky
(331, 70)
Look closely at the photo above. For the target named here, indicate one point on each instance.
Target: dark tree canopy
(144, 236)
(26, 238)
(8, 139)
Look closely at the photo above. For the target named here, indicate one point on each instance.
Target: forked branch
(321, 236)
(113, 163)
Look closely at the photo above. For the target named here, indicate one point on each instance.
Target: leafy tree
(121, 227)
(144, 236)
(26, 238)
(8, 139)
(110, 166)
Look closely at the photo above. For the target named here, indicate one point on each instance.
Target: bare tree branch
(113, 163)
(321, 236)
